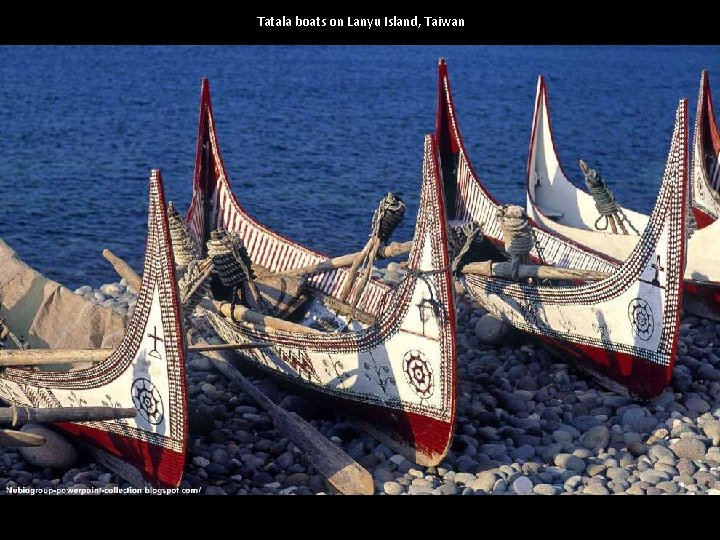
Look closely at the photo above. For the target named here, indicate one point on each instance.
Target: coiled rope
(517, 235)
(604, 202)
(185, 249)
(388, 215)
(233, 265)
(462, 239)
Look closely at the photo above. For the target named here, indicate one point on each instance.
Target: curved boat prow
(705, 158)
(145, 372)
(214, 205)
(553, 201)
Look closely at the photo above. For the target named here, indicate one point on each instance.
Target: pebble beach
(528, 423)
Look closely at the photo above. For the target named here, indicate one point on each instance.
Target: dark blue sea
(312, 137)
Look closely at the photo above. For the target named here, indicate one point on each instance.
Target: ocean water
(312, 137)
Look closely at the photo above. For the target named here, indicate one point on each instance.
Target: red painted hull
(702, 299)
(640, 379)
(162, 466)
(702, 219)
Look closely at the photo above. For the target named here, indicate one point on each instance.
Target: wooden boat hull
(623, 329)
(146, 371)
(549, 192)
(398, 374)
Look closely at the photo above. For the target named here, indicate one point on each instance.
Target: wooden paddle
(344, 473)
(48, 357)
(12, 438)
(340, 470)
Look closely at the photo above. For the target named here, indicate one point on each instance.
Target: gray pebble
(596, 438)
(712, 430)
(595, 469)
(689, 448)
(524, 453)
(522, 485)
(297, 479)
(596, 489)
(685, 466)
(200, 363)
(491, 330)
(56, 453)
(464, 478)
(660, 453)
(636, 448)
(667, 487)
(485, 481)
(448, 489)
(651, 476)
(696, 404)
(417, 490)
(568, 461)
(201, 462)
(545, 489)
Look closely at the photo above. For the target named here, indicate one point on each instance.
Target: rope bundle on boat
(230, 258)
(232, 264)
(388, 215)
(185, 249)
(604, 202)
(517, 235)
(462, 240)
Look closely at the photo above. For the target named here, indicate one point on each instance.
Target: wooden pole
(264, 323)
(504, 269)
(48, 357)
(350, 281)
(393, 250)
(17, 415)
(123, 269)
(228, 347)
(11, 438)
(341, 471)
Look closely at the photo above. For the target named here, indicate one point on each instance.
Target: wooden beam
(393, 250)
(263, 323)
(49, 357)
(504, 270)
(17, 415)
